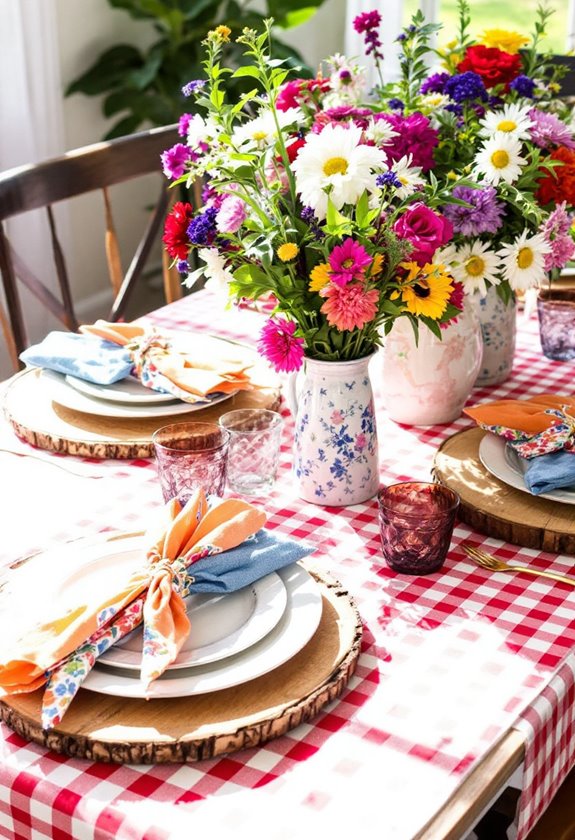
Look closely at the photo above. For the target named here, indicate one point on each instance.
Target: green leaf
(247, 70)
(362, 210)
(283, 11)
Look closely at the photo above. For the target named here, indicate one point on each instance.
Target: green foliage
(144, 86)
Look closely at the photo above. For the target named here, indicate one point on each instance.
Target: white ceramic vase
(498, 327)
(335, 447)
(428, 382)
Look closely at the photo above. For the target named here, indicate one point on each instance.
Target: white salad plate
(294, 629)
(129, 390)
(222, 625)
(504, 463)
(61, 392)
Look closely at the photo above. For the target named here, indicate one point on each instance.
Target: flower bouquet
(305, 205)
(303, 202)
(489, 110)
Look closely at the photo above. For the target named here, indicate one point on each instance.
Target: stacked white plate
(504, 463)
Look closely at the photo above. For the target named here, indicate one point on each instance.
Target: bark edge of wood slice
(493, 507)
(100, 727)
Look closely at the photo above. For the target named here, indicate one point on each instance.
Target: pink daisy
(548, 130)
(556, 231)
(350, 306)
(279, 345)
(348, 262)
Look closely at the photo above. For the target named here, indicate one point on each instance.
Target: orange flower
(560, 184)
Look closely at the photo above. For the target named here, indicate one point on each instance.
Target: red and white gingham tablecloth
(450, 662)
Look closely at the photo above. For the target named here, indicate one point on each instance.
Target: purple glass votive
(556, 312)
(416, 522)
(191, 455)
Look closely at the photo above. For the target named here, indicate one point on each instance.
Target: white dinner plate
(61, 392)
(504, 464)
(295, 628)
(223, 624)
(129, 390)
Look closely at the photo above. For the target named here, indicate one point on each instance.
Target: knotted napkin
(534, 426)
(63, 648)
(106, 352)
(541, 430)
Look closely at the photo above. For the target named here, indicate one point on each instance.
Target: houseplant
(142, 86)
(301, 204)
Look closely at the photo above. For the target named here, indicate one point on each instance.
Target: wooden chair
(41, 185)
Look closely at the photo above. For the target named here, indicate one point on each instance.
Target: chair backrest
(41, 185)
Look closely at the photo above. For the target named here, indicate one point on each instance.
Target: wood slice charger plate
(493, 507)
(99, 727)
(46, 424)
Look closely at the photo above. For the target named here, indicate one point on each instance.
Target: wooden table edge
(477, 791)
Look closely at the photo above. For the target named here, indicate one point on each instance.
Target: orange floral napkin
(185, 536)
(190, 373)
(529, 416)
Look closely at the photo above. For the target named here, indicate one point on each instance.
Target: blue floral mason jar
(498, 329)
(335, 448)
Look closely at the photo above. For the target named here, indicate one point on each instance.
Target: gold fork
(487, 561)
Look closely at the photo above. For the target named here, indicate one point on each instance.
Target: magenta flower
(184, 124)
(366, 21)
(174, 160)
(415, 137)
(425, 230)
(278, 344)
(232, 214)
(349, 307)
(348, 262)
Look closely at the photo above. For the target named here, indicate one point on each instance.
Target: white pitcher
(335, 448)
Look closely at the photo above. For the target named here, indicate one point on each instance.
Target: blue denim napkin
(256, 557)
(550, 472)
(86, 357)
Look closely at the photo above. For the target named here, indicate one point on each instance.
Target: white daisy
(337, 164)
(262, 130)
(523, 261)
(410, 176)
(215, 271)
(499, 159)
(512, 120)
(476, 265)
(380, 132)
(202, 131)
(431, 102)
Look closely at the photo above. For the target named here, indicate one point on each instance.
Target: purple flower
(435, 83)
(465, 86)
(548, 130)
(309, 217)
(523, 85)
(174, 160)
(202, 228)
(182, 267)
(415, 137)
(484, 216)
(396, 104)
(183, 124)
(193, 87)
(388, 179)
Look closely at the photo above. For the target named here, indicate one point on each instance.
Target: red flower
(175, 237)
(493, 65)
(560, 184)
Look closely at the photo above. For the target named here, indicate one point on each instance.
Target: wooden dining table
(465, 682)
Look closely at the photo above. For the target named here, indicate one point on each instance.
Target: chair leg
(172, 280)
(15, 320)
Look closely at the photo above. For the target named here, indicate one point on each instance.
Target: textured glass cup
(556, 311)
(416, 522)
(254, 450)
(190, 455)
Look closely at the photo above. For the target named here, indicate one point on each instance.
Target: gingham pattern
(450, 662)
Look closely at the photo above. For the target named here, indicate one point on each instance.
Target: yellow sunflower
(376, 266)
(426, 291)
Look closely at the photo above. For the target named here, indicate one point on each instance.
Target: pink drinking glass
(190, 455)
(416, 522)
